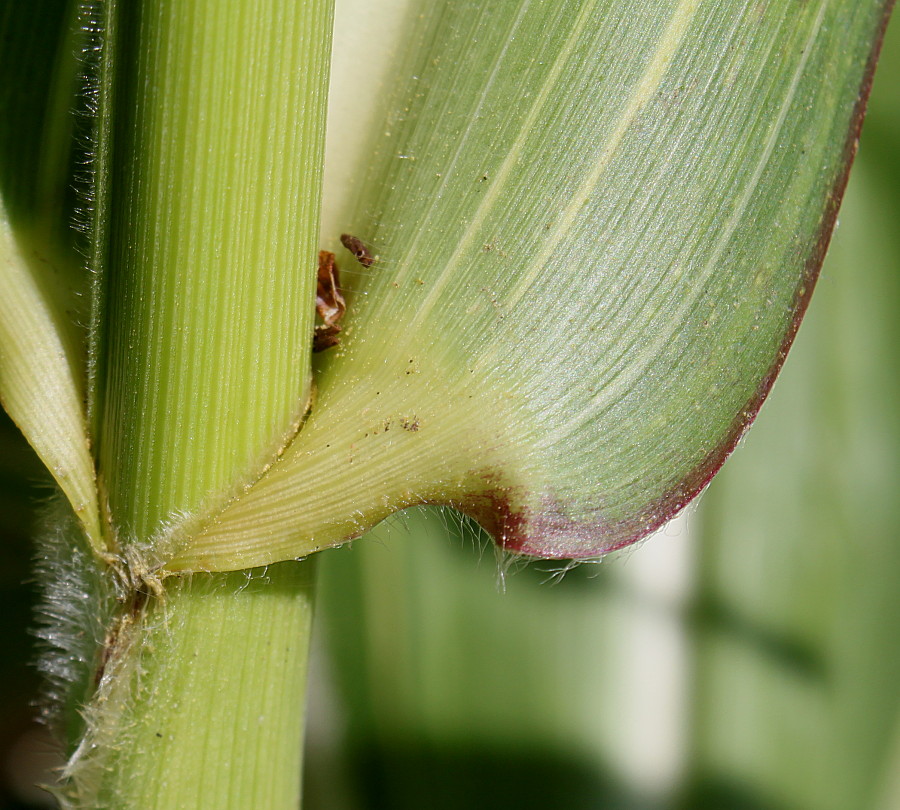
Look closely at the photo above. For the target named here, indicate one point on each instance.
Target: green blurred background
(746, 658)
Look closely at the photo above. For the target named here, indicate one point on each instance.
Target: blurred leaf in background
(24, 481)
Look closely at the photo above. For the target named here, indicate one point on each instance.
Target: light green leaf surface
(596, 227)
(42, 358)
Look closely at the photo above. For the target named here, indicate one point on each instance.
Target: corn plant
(562, 252)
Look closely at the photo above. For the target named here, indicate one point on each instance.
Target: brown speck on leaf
(410, 424)
(358, 249)
(330, 303)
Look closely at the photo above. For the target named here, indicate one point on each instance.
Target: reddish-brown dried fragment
(325, 337)
(358, 249)
(330, 302)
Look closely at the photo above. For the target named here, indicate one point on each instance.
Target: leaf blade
(592, 261)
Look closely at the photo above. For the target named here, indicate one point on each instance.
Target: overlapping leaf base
(589, 270)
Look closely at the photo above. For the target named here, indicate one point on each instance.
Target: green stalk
(214, 704)
(216, 143)
(209, 152)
